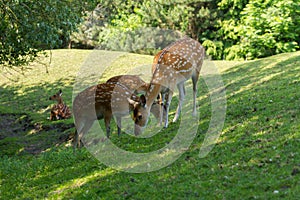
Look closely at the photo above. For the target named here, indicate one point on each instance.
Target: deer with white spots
(60, 110)
(103, 101)
(137, 86)
(171, 67)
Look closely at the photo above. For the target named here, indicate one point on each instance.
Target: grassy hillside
(256, 157)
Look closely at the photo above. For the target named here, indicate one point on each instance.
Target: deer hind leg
(83, 128)
(119, 125)
(181, 90)
(107, 119)
(57, 115)
(68, 113)
(195, 78)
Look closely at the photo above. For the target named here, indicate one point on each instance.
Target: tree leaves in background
(229, 29)
(28, 27)
(254, 29)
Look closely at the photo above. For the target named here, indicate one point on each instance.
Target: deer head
(57, 97)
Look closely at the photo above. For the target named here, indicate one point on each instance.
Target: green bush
(265, 28)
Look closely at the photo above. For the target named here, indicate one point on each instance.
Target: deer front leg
(162, 110)
(167, 107)
(195, 78)
(181, 90)
(51, 116)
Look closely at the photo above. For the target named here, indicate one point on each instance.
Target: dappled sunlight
(257, 83)
(253, 71)
(256, 151)
(78, 182)
(226, 65)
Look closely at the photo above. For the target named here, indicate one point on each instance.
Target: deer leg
(181, 90)
(167, 107)
(156, 110)
(51, 116)
(195, 78)
(119, 125)
(162, 110)
(83, 129)
(107, 119)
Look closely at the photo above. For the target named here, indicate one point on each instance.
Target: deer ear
(157, 101)
(132, 102)
(60, 92)
(143, 100)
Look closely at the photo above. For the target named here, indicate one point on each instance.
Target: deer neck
(60, 101)
(151, 95)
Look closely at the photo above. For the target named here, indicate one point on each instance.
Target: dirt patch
(12, 124)
(50, 136)
(18, 134)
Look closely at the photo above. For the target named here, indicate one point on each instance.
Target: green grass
(256, 157)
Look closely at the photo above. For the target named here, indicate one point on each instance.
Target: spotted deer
(60, 110)
(137, 86)
(171, 67)
(102, 101)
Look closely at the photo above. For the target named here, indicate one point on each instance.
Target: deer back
(100, 99)
(177, 62)
(133, 82)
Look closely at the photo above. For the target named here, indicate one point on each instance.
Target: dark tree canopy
(28, 27)
(229, 29)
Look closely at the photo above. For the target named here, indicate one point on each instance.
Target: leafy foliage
(27, 27)
(126, 22)
(254, 29)
(271, 28)
(229, 29)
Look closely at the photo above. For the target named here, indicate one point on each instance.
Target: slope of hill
(256, 157)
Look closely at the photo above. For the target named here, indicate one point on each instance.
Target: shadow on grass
(24, 113)
(257, 154)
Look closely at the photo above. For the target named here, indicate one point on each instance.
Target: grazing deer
(171, 67)
(137, 86)
(60, 110)
(102, 101)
